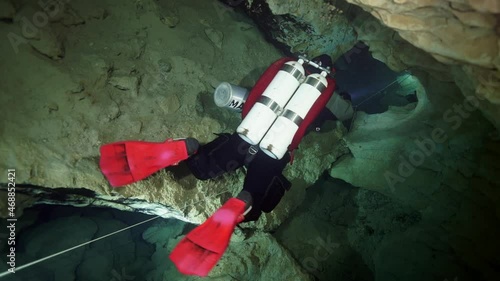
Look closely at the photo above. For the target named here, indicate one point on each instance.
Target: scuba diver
(280, 107)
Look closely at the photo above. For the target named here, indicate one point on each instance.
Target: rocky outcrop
(451, 31)
(82, 197)
(463, 37)
(413, 151)
(249, 257)
(364, 235)
(453, 40)
(307, 27)
(436, 158)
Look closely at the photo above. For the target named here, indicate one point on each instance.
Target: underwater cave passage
(132, 254)
(372, 85)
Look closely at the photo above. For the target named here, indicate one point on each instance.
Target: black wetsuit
(264, 179)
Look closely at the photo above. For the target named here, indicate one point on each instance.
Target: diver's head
(323, 60)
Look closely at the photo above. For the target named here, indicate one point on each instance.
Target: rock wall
(463, 36)
(454, 40)
(437, 158)
(304, 27)
(363, 235)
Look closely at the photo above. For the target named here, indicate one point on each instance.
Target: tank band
(268, 102)
(295, 72)
(292, 116)
(316, 83)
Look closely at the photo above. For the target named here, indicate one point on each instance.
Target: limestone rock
(126, 83)
(461, 33)
(99, 14)
(170, 21)
(50, 44)
(65, 15)
(7, 11)
(259, 257)
(423, 28)
(413, 160)
(215, 36)
(164, 66)
(22, 202)
(310, 27)
(335, 217)
(356, 232)
(168, 13)
(476, 19)
(485, 6)
(76, 88)
(319, 150)
(169, 104)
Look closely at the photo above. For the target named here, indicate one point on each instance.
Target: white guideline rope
(75, 247)
(355, 107)
(3, 274)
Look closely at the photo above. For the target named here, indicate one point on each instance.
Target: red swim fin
(202, 248)
(129, 161)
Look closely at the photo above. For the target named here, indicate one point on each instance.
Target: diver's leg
(225, 153)
(266, 183)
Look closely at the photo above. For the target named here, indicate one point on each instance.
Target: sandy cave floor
(125, 75)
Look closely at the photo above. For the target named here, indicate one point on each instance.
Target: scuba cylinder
(277, 139)
(265, 111)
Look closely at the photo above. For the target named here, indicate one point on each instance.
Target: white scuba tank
(265, 111)
(276, 141)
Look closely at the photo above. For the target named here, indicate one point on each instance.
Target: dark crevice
(272, 26)
(7, 20)
(83, 197)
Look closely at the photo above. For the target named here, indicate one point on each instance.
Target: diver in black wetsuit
(276, 114)
(264, 182)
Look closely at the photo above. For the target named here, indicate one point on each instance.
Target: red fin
(130, 161)
(202, 248)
